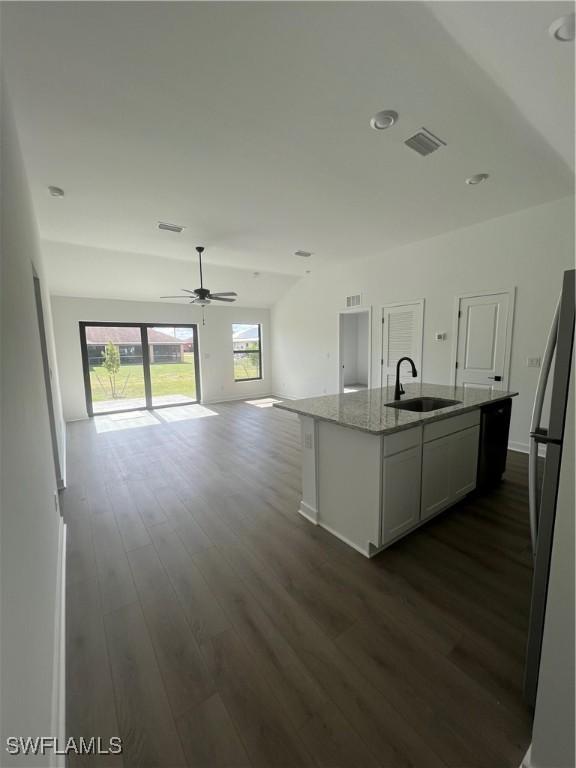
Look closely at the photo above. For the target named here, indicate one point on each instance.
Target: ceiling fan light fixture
(204, 296)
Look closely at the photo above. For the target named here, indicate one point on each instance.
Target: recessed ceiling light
(478, 178)
(563, 29)
(303, 254)
(384, 119)
(170, 227)
(56, 191)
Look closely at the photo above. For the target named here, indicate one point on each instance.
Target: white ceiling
(249, 123)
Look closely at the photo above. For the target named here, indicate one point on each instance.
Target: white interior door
(483, 346)
(402, 331)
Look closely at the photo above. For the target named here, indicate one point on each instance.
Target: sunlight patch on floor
(114, 422)
(263, 402)
(118, 421)
(184, 413)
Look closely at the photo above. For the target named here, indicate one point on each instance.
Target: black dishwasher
(494, 429)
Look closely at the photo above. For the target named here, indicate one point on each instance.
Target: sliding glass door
(130, 366)
(172, 353)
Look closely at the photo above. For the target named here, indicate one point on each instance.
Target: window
(247, 351)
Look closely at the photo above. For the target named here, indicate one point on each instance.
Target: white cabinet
(464, 462)
(436, 457)
(448, 469)
(400, 492)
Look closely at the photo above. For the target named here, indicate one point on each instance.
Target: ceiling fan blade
(174, 297)
(188, 290)
(220, 298)
(224, 293)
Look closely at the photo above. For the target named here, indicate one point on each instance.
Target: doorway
(47, 372)
(402, 334)
(482, 339)
(355, 349)
(132, 366)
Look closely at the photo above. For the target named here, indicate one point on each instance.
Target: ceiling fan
(203, 296)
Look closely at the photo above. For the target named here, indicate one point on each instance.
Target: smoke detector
(56, 191)
(303, 254)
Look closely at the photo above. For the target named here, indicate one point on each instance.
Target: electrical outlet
(440, 336)
(533, 362)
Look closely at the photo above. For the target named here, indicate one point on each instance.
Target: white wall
(349, 343)
(215, 343)
(553, 731)
(527, 250)
(362, 346)
(30, 524)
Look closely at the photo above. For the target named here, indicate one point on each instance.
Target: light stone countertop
(367, 409)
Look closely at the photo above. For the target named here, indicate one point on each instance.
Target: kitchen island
(375, 469)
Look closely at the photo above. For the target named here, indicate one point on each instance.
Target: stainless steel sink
(423, 404)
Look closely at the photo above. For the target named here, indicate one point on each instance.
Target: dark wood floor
(209, 625)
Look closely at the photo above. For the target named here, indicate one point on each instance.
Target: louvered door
(402, 330)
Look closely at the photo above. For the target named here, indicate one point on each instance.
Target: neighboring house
(246, 338)
(164, 348)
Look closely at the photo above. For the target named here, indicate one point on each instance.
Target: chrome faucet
(399, 389)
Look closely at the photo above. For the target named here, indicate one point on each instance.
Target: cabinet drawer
(452, 424)
(401, 441)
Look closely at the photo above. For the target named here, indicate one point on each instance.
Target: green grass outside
(245, 368)
(166, 379)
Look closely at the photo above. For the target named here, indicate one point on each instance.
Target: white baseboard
(525, 448)
(346, 540)
(306, 511)
(233, 398)
(283, 397)
(63, 459)
(527, 759)
(59, 663)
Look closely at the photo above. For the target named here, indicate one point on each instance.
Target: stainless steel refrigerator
(555, 379)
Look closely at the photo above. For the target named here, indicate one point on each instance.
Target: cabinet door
(436, 460)
(464, 462)
(400, 493)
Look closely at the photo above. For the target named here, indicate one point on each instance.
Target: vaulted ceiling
(249, 123)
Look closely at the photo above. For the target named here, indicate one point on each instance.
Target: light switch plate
(533, 362)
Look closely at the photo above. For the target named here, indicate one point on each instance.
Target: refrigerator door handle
(536, 431)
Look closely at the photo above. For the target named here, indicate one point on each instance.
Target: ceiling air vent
(424, 142)
(170, 227)
(353, 301)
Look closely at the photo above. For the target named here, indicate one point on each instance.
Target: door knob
(496, 378)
